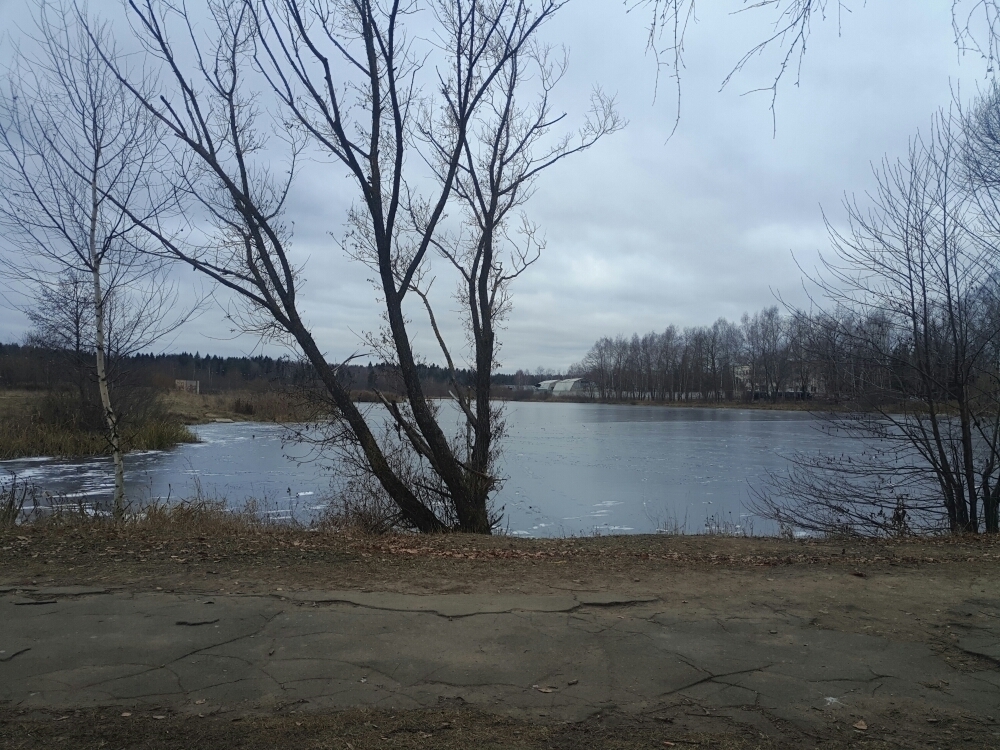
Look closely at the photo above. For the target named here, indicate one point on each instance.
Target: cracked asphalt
(561, 657)
(230, 637)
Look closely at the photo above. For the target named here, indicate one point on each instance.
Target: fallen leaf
(860, 724)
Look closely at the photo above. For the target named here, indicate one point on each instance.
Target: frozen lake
(569, 468)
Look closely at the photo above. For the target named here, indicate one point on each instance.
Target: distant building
(569, 386)
(191, 386)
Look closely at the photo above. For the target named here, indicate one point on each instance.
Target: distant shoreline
(803, 406)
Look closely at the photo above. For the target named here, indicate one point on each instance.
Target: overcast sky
(643, 232)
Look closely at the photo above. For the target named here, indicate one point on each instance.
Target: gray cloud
(643, 232)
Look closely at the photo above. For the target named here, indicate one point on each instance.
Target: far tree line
(762, 356)
(770, 355)
(40, 365)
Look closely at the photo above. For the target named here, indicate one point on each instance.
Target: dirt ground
(932, 592)
(451, 729)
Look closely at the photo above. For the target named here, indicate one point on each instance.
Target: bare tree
(346, 76)
(913, 288)
(504, 152)
(62, 319)
(975, 26)
(76, 151)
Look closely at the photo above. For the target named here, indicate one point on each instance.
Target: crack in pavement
(16, 653)
(713, 677)
(409, 655)
(454, 606)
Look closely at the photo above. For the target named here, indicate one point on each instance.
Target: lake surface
(570, 469)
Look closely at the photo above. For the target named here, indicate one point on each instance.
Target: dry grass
(179, 544)
(27, 438)
(158, 435)
(14, 495)
(252, 406)
(274, 406)
(27, 429)
(20, 437)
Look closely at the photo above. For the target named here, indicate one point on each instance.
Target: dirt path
(635, 642)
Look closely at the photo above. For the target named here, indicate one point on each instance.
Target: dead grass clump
(364, 517)
(361, 507)
(198, 517)
(274, 406)
(59, 423)
(281, 406)
(30, 437)
(19, 438)
(158, 435)
(14, 496)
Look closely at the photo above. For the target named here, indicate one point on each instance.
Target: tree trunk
(415, 511)
(972, 518)
(110, 416)
(991, 509)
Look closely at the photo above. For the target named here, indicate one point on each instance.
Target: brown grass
(34, 439)
(28, 437)
(24, 431)
(170, 544)
(240, 406)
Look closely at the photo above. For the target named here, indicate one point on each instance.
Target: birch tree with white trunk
(74, 149)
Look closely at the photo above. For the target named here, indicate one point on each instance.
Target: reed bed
(274, 406)
(60, 423)
(20, 437)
